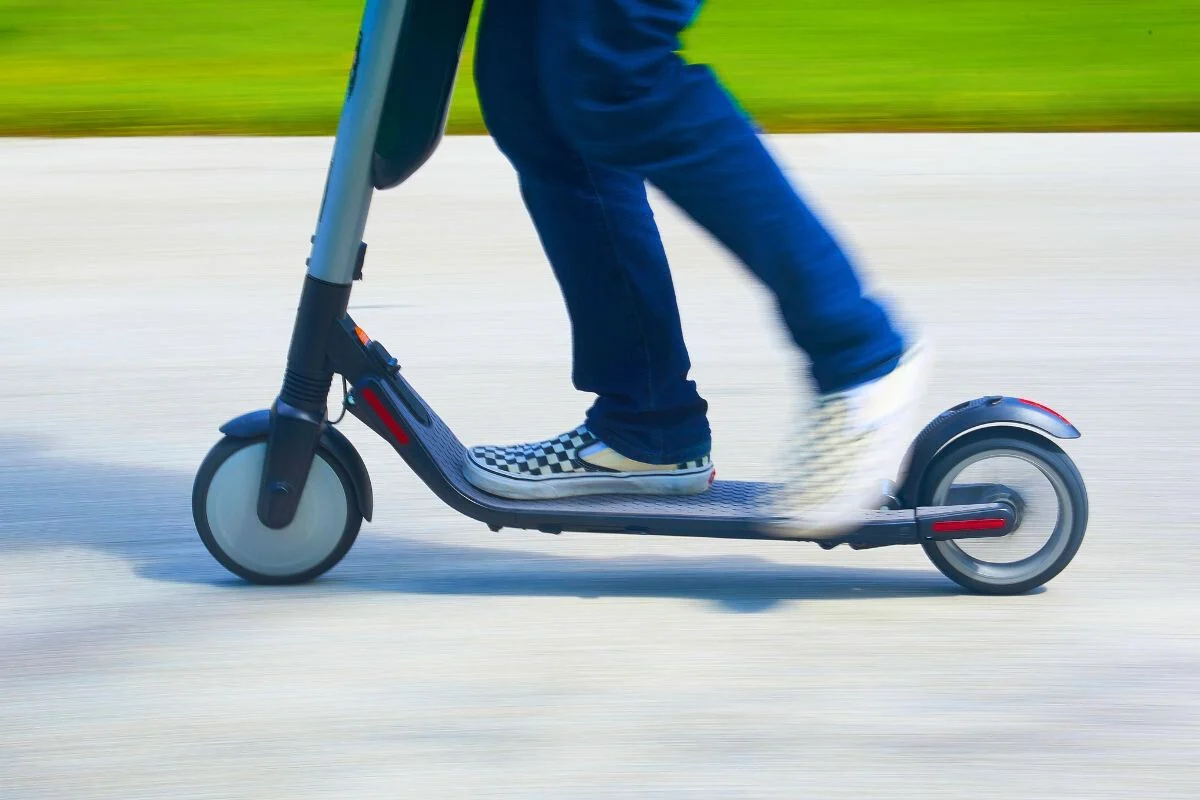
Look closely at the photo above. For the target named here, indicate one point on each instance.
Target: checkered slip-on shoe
(856, 439)
(555, 468)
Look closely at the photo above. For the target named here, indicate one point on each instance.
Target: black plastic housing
(993, 410)
(298, 414)
(420, 88)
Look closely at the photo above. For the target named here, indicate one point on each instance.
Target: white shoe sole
(589, 483)
(886, 459)
(816, 525)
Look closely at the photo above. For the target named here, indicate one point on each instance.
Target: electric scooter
(994, 501)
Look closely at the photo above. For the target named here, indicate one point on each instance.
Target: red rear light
(957, 525)
(1047, 409)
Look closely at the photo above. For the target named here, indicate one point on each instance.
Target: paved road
(147, 294)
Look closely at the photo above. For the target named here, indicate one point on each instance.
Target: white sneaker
(856, 439)
(578, 463)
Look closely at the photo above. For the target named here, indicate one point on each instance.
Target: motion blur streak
(148, 293)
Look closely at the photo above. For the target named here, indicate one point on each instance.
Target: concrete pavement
(148, 288)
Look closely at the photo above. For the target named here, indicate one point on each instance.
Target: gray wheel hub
(311, 537)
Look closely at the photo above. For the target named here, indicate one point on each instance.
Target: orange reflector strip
(362, 336)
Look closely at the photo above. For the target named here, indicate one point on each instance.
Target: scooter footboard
(729, 509)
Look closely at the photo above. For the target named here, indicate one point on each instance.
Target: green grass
(121, 67)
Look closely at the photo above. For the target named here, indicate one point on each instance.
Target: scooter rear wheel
(224, 507)
(1051, 501)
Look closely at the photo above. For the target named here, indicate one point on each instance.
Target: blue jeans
(589, 100)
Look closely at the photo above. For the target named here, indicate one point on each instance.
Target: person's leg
(597, 229)
(624, 97)
(600, 236)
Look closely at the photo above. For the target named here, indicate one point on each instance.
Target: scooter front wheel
(225, 503)
(1045, 489)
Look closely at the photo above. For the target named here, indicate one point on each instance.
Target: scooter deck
(728, 510)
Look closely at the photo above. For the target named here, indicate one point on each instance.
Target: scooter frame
(393, 119)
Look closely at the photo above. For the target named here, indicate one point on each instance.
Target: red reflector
(954, 525)
(1047, 409)
(382, 412)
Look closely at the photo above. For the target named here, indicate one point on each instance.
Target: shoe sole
(591, 483)
(842, 516)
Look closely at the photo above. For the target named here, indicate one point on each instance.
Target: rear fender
(994, 410)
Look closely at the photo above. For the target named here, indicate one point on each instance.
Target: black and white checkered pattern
(552, 457)
(555, 456)
(852, 440)
(835, 448)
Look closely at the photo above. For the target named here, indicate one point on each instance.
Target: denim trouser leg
(623, 97)
(589, 99)
(597, 229)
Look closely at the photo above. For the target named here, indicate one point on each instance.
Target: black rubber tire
(220, 453)
(1052, 457)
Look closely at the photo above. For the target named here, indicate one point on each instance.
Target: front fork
(394, 116)
(298, 415)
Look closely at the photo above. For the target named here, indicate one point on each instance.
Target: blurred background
(1019, 178)
(86, 67)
